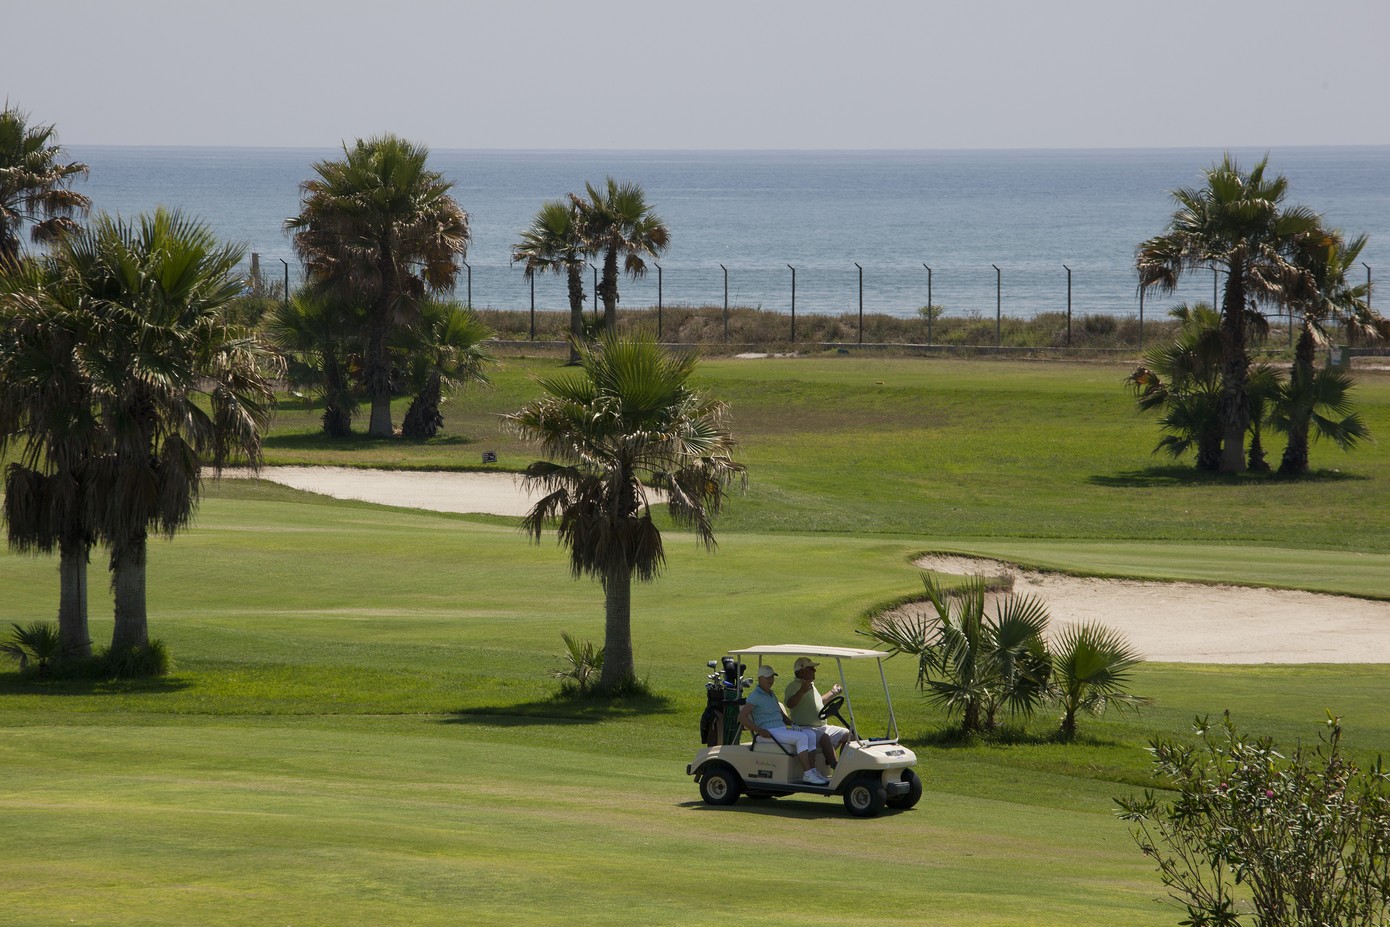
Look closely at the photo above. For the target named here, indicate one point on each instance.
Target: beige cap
(803, 662)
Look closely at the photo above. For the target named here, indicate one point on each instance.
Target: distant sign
(489, 457)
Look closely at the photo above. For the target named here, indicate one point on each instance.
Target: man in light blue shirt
(762, 714)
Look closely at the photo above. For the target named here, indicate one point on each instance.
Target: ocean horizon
(998, 228)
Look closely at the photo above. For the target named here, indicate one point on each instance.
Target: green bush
(37, 643)
(133, 662)
(1256, 837)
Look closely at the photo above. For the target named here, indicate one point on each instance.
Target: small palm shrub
(36, 645)
(583, 667)
(978, 666)
(134, 662)
(1256, 836)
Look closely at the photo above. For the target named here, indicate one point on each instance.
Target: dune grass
(359, 728)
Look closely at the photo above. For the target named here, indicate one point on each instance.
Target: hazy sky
(709, 74)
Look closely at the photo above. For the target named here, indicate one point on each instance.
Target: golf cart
(873, 772)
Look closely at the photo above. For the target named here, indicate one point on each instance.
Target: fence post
(793, 270)
(658, 299)
(1068, 269)
(596, 309)
(533, 307)
(287, 281)
(998, 306)
(929, 305)
(1141, 318)
(861, 302)
(726, 301)
(470, 281)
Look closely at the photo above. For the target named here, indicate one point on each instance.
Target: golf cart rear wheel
(865, 797)
(719, 787)
(914, 792)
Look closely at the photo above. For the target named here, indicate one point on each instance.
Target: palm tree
(617, 222)
(968, 663)
(553, 242)
(1236, 223)
(629, 419)
(441, 353)
(176, 386)
(34, 184)
(46, 412)
(319, 337)
(1324, 297)
(1318, 404)
(1181, 380)
(1090, 670)
(380, 226)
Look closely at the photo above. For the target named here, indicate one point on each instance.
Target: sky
(752, 74)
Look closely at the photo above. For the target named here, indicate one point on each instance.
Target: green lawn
(359, 728)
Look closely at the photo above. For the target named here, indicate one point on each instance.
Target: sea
(1016, 232)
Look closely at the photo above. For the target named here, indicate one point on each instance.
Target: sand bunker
(1198, 623)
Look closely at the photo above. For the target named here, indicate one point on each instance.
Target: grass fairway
(359, 728)
(358, 731)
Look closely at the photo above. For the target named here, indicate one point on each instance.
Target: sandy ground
(1197, 623)
(1177, 622)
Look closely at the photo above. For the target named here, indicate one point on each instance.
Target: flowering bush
(1256, 837)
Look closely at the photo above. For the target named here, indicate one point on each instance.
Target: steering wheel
(832, 709)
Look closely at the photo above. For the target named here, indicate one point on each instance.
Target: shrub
(584, 666)
(37, 642)
(133, 662)
(1255, 837)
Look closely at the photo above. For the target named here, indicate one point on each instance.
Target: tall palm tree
(627, 426)
(552, 242)
(379, 225)
(1237, 223)
(176, 386)
(35, 184)
(47, 415)
(616, 221)
(1324, 297)
(319, 336)
(441, 353)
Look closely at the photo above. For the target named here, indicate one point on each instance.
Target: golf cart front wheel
(719, 787)
(865, 797)
(913, 795)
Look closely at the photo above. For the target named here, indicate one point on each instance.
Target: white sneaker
(813, 777)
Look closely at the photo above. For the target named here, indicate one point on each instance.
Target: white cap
(765, 671)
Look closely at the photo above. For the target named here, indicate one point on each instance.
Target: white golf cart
(873, 772)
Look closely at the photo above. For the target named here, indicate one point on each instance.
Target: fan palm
(629, 418)
(1091, 667)
(1236, 223)
(175, 385)
(380, 226)
(1324, 297)
(34, 184)
(616, 221)
(1318, 404)
(552, 242)
(47, 414)
(968, 663)
(319, 337)
(442, 353)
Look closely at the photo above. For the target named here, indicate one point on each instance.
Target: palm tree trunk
(1295, 460)
(608, 290)
(132, 629)
(618, 669)
(72, 602)
(378, 375)
(1235, 366)
(576, 293)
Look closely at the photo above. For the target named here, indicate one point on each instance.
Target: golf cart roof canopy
(811, 650)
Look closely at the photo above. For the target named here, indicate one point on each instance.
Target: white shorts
(837, 734)
(802, 741)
